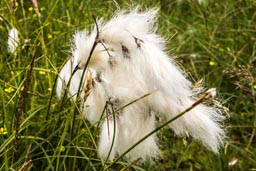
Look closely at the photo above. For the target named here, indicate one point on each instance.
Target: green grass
(214, 41)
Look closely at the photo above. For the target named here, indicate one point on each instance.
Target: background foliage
(212, 40)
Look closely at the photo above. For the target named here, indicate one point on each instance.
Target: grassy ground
(215, 41)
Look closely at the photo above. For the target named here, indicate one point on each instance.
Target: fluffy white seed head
(93, 106)
(131, 61)
(135, 122)
(13, 40)
(108, 136)
(82, 46)
(67, 82)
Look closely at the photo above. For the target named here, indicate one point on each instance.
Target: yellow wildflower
(212, 63)
(62, 148)
(49, 89)
(41, 72)
(9, 89)
(16, 4)
(30, 9)
(254, 86)
(42, 9)
(49, 36)
(3, 131)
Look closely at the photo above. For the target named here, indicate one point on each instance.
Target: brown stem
(24, 94)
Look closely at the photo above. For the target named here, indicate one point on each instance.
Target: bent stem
(84, 70)
(207, 95)
(114, 134)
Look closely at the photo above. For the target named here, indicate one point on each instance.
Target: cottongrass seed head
(129, 62)
(13, 40)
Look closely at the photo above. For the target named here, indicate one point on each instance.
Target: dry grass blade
(88, 87)
(27, 160)
(130, 164)
(35, 4)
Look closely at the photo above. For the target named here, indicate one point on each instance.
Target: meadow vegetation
(212, 40)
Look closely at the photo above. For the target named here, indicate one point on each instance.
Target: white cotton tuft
(131, 67)
(82, 46)
(108, 139)
(67, 82)
(134, 123)
(93, 106)
(128, 25)
(153, 69)
(13, 40)
(202, 124)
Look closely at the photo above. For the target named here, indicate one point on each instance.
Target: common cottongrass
(13, 40)
(129, 61)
